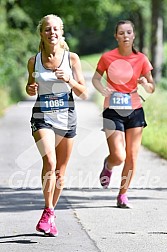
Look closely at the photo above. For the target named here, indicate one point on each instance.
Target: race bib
(53, 102)
(120, 101)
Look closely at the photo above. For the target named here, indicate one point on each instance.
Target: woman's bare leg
(63, 152)
(45, 141)
(116, 145)
(133, 138)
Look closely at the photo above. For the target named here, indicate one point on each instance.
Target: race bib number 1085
(51, 102)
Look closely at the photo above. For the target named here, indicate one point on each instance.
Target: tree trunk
(157, 38)
(141, 29)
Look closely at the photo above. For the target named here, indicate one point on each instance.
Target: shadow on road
(18, 200)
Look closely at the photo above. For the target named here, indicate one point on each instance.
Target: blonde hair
(63, 44)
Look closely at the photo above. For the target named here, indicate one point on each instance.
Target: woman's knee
(117, 158)
(49, 164)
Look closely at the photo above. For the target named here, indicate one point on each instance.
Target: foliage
(164, 66)
(154, 136)
(17, 18)
(15, 44)
(85, 22)
(163, 83)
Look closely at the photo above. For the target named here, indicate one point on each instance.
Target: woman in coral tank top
(123, 115)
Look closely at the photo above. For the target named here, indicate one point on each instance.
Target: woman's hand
(61, 75)
(106, 91)
(32, 89)
(147, 82)
(142, 80)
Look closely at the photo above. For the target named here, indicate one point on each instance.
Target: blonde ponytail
(41, 46)
(63, 44)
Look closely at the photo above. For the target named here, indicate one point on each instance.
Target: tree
(157, 38)
(84, 21)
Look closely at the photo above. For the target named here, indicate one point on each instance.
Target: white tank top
(46, 78)
(53, 92)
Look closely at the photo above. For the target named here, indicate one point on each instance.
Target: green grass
(155, 134)
(89, 63)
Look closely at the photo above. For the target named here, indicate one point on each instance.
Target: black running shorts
(42, 125)
(123, 119)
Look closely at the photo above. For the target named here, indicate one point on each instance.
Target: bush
(15, 49)
(163, 83)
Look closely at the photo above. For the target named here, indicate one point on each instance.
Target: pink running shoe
(53, 230)
(105, 175)
(46, 219)
(122, 201)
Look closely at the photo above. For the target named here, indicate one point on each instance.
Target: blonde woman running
(54, 75)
